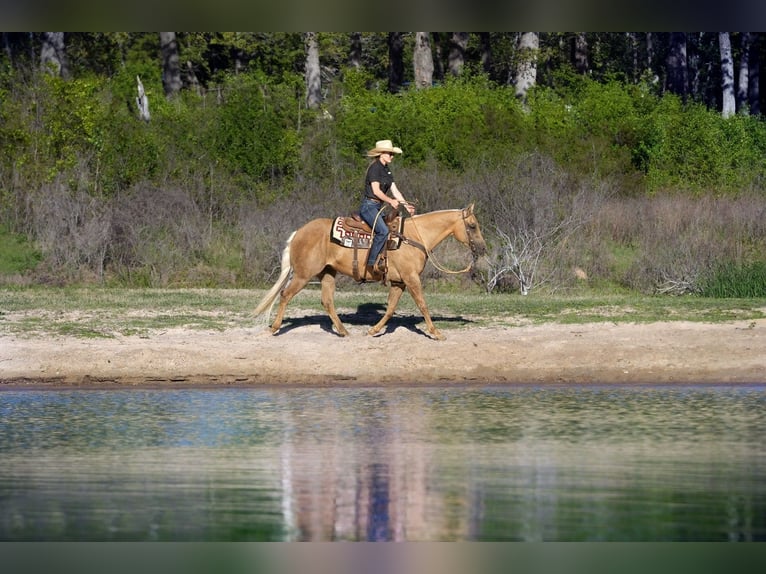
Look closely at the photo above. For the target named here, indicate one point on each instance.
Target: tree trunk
(53, 54)
(395, 62)
(744, 74)
(355, 50)
(142, 102)
(677, 81)
(171, 67)
(458, 45)
(526, 72)
(486, 52)
(633, 46)
(727, 75)
(753, 85)
(313, 77)
(438, 57)
(423, 61)
(580, 53)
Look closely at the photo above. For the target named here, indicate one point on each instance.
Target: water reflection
(437, 463)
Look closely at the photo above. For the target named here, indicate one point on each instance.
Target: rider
(377, 183)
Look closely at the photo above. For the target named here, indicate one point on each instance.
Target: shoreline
(307, 354)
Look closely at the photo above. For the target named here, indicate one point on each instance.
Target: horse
(309, 253)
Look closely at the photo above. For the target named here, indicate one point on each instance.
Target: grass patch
(17, 255)
(107, 312)
(732, 280)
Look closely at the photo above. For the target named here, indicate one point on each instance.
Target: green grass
(16, 253)
(107, 312)
(746, 280)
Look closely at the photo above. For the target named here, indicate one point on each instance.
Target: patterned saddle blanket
(352, 231)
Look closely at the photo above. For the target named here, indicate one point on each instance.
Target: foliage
(205, 191)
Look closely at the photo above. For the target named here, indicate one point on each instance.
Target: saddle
(353, 232)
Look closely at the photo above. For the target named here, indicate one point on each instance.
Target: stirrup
(373, 273)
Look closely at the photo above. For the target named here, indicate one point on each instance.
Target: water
(520, 463)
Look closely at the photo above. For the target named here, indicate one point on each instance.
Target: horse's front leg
(394, 294)
(416, 290)
(328, 301)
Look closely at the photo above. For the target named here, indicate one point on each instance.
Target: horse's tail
(268, 300)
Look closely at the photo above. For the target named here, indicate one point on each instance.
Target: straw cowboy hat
(382, 146)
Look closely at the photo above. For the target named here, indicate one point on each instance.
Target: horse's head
(470, 233)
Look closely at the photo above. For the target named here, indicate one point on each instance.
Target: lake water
(511, 463)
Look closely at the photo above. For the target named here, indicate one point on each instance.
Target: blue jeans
(369, 211)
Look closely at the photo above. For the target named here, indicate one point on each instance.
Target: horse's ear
(469, 209)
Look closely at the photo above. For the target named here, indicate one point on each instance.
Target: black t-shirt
(380, 173)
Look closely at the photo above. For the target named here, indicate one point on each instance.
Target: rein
(430, 254)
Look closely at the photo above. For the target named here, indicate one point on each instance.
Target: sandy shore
(306, 352)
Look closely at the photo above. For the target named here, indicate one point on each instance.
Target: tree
(727, 75)
(142, 102)
(580, 53)
(171, 69)
(355, 50)
(53, 54)
(313, 77)
(753, 84)
(677, 73)
(423, 61)
(526, 71)
(458, 45)
(485, 42)
(395, 62)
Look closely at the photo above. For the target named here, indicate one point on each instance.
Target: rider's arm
(383, 197)
(398, 195)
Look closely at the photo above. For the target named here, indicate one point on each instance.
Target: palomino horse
(309, 252)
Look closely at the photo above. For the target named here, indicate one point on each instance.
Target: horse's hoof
(438, 336)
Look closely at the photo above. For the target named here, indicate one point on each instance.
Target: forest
(611, 161)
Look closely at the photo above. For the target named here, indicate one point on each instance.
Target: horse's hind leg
(394, 294)
(297, 283)
(328, 301)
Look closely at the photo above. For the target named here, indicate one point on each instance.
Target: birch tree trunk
(727, 75)
(458, 45)
(313, 77)
(526, 72)
(142, 102)
(53, 54)
(171, 67)
(423, 61)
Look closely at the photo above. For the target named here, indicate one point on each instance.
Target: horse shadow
(366, 315)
